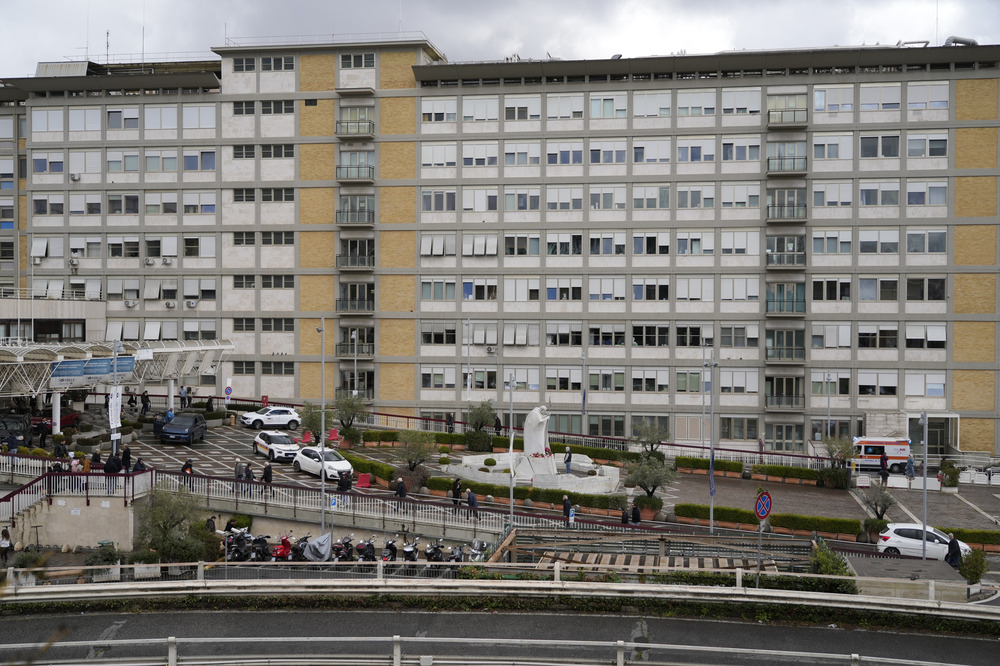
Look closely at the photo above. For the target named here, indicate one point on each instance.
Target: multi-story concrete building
(808, 236)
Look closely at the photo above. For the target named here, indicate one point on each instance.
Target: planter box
(951, 490)
(212, 423)
(147, 571)
(758, 477)
(110, 575)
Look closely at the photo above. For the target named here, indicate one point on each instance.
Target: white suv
(904, 539)
(272, 417)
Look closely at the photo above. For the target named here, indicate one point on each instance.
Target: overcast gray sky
(53, 30)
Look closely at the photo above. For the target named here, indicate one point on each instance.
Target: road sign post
(761, 509)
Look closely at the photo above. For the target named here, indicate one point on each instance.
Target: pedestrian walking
(109, 476)
(473, 504)
(400, 493)
(184, 397)
(456, 493)
(59, 450)
(43, 434)
(449, 422)
(126, 459)
(144, 401)
(909, 467)
(568, 461)
(636, 518)
(249, 477)
(267, 475)
(954, 556)
(210, 524)
(237, 473)
(497, 426)
(567, 508)
(625, 516)
(187, 469)
(5, 545)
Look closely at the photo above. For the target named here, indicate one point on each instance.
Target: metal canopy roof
(26, 367)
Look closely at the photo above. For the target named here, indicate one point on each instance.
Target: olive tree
(649, 436)
(168, 523)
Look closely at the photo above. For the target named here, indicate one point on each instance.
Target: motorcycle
(433, 552)
(411, 551)
(298, 549)
(366, 550)
(283, 551)
(477, 551)
(456, 554)
(343, 549)
(319, 549)
(238, 545)
(389, 550)
(260, 550)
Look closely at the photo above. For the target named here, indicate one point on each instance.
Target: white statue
(536, 433)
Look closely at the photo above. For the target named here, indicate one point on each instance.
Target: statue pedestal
(541, 465)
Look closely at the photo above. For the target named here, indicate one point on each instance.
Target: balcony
(361, 262)
(357, 218)
(788, 118)
(358, 130)
(786, 212)
(786, 307)
(785, 259)
(364, 349)
(356, 174)
(353, 305)
(787, 166)
(367, 394)
(784, 402)
(786, 354)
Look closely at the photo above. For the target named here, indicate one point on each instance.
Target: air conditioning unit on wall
(170, 304)
(130, 303)
(168, 260)
(36, 261)
(74, 261)
(191, 304)
(491, 349)
(74, 177)
(150, 261)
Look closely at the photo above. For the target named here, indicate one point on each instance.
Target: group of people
(457, 493)
(883, 468)
(244, 472)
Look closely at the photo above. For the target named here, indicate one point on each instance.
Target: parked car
(68, 418)
(183, 428)
(904, 539)
(272, 417)
(18, 425)
(275, 445)
(334, 464)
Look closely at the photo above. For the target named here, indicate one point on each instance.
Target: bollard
(556, 570)
(620, 649)
(381, 567)
(739, 577)
(397, 652)
(930, 590)
(201, 571)
(172, 651)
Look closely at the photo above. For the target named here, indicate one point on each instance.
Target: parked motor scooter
(433, 552)
(260, 550)
(477, 551)
(343, 549)
(456, 554)
(389, 550)
(283, 551)
(366, 550)
(411, 550)
(238, 545)
(299, 548)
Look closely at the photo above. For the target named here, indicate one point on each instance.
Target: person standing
(184, 397)
(187, 469)
(5, 545)
(400, 493)
(473, 504)
(131, 401)
(169, 416)
(636, 518)
(954, 557)
(59, 450)
(625, 516)
(237, 473)
(567, 508)
(43, 434)
(266, 476)
(497, 426)
(210, 405)
(449, 422)
(456, 493)
(249, 477)
(144, 400)
(210, 524)
(126, 459)
(568, 461)
(909, 467)
(140, 466)
(96, 458)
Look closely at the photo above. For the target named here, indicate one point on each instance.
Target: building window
(738, 381)
(437, 377)
(437, 289)
(482, 154)
(563, 379)
(827, 194)
(438, 200)
(524, 107)
(695, 242)
(740, 337)
(743, 289)
(437, 245)
(522, 199)
(878, 289)
(277, 107)
(161, 160)
(357, 60)
(878, 241)
(926, 336)
(564, 334)
(833, 99)
(920, 241)
(479, 289)
(741, 195)
(833, 146)
(651, 243)
(927, 145)
(879, 146)
(199, 202)
(123, 161)
(198, 116)
(651, 104)
(926, 384)
(608, 105)
(877, 383)
(277, 324)
(741, 101)
(439, 110)
(47, 120)
(688, 381)
(244, 108)
(608, 197)
(650, 289)
(925, 289)
(520, 334)
(607, 289)
(244, 64)
(159, 117)
(693, 336)
(650, 335)
(696, 196)
(606, 425)
(699, 149)
(607, 152)
(277, 194)
(696, 103)
(560, 107)
(199, 160)
(277, 281)
(244, 152)
(437, 333)
(277, 63)
(742, 243)
(564, 289)
(879, 193)
(878, 336)
(564, 244)
(482, 378)
(695, 288)
(277, 368)
(608, 244)
(563, 153)
(651, 151)
(85, 204)
(522, 154)
(607, 379)
(479, 200)
(737, 427)
(922, 193)
(245, 368)
(831, 336)
(832, 289)
(85, 120)
(832, 241)
(244, 281)
(479, 245)
(277, 238)
(741, 149)
(244, 324)
(244, 195)
(119, 204)
(521, 245)
(47, 162)
(927, 95)
(123, 118)
(880, 96)
(480, 109)
(438, 155)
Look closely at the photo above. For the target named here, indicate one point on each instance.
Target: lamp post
(510, 447)
(710, 365)
(829, 389)
(923, 542)
(583, 385)
(354, 339)
(321, 329)
(114, 401)
(468, 365)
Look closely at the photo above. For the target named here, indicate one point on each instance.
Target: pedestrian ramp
(636, 563)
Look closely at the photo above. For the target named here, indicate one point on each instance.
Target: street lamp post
(114, 401)
(468, 365)
(710, 365)
(583, 385)
(354, 339)
(510, 447)
(321, 329)
(923, 542)
(829, 389)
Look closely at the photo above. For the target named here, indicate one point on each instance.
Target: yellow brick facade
(396, 70)
(975, 196)
(974, 341)
(317, 161)
(978, 435)
(396, 382)
(974, 390)
(317, 205)
(309, 339)
(397, 249)
(397, 337)
(976, 148)
(398, 161)
(396, 293)
(317, 249)
(316, 293)
(318, 71)
(397, 205)
(317, 120)
(398, 115)
(975, 245)
(975, 293)
(976, 99)
(310, 373)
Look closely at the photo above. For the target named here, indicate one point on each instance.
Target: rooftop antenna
(107, 47)
(400, 16)
(142, 56)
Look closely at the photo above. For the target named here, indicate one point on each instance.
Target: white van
(868, 451)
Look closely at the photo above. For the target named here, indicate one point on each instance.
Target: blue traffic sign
(229, 390)
(763, 505)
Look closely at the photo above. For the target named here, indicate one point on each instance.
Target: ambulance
(868, 451)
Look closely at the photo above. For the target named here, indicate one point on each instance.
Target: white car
(904, 539)
(275, 445)
(307, 460)
(272, 417)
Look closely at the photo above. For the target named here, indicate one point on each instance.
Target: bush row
(702, 463)
(787, 520)
(767, 582)
(786, 471)
(973, 536)
(365, 466)
(551, 495)
(380, 436)
(833, 477)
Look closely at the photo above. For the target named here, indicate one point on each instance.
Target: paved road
(500, 628)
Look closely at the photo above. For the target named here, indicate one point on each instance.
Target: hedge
(380, 436)
(702, 463)
(550, 495)
(365, 466)
(834, 477)
(787, 471)
(767, 582)
(973, 536)
(646, 502)
(786, 520)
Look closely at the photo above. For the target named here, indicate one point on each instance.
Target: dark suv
(68, 418)
(18, 425)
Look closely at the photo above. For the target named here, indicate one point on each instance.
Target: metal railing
(355, 261)
(365, 349)
(786, 211)
(784, 401)
(87, 486)
(786, 353)
(355, 305)
(792, 259)
(355, 217)
(355, 173)
(788, 117)
(354, 127)
(780, 164)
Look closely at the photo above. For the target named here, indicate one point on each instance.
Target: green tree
(483, 415)
(348, 408)
(649, 473)
(839, 450)
(312, 419)
(649, 436)
(877, 499)
(415, 448)
(168, 523)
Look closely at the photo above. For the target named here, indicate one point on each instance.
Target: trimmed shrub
(591, 472)
(973, 566)
(973, 536)
(484, 469)
(87, 427)
(143, 557)
(214, 416)
(725, 513)
(816, 523)
(103, 555)
(875, 525)
(352, 435)
(550, 495)
(646, 502)
(787, 471)
(444, 460)
(365, 466)
(949, 474)
(833, 477)
(702, 463)
(41, 453)
(444, 449)
(490, 462)
(478, 441)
